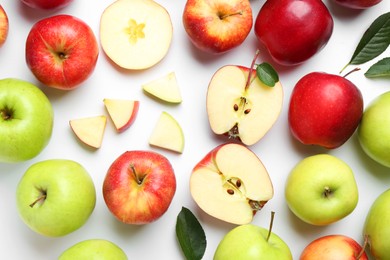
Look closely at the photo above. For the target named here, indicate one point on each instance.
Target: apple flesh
(324, 110)
(165, 88)
(217, 26)
(89, 130)
(333, 247)
(231, 184)
(139, 187)
(47, 4)
(240, 106)
(122, 112)
(358, 4)
(305, 29)
(135, 34)
(4, 26)
(61, 51)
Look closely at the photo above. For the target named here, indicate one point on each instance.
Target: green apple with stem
(26, 120)
(321, 189)
(55, 197)
(249, 241)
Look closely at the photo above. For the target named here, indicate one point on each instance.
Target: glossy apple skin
(293, 30)
(358, 4)
(144, 201)
(208, 32)
(4, 26)
(61, 51)
(47, 4)
(324, 110)
(333, 247)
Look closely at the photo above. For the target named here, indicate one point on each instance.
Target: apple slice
(89, 130)
(4, 25)
(122, 112)
(135, 34)
(240, 107)
(231, 184)
(165, 88)
(167, 134)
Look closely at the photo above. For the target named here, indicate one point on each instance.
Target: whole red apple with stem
(61, 51)
(139, 187)
(293, 30)
(325, 109)
(358, 4)
(47, 4)
(4, 25)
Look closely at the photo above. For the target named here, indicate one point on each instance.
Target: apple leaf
(190, 234)
(267, 74)
(379, 69)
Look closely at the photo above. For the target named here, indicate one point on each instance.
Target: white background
(194, 69)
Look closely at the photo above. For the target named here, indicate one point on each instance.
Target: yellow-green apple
(94, 249)
(231, 183)
(4, 26)
(164, 88)
(89, 130)
(325, 109)
(334, 247)
(376, 226)
(139, 187)
(305, 29)
(55, 197)
(358, 4)
(321, 189)
(26, 120)
(47, 4)
(167, 134)
(240, 106)
(217, 26)
(122, 112)
(135, 34)
(61, 51)
(374, 129)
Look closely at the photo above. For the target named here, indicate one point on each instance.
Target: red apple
(47, 4)
(217, 26)
(358, 4)
(61, 51)
(139, 187)
(4, 25)
(333, 247)
(293, 30)
(325, 109)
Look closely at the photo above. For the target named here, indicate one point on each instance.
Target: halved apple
(135, 34)
(240, 106)
(231, 184)
(90, 130)
(167, 134)
(122, 112)
(4, 26)
(165, 88)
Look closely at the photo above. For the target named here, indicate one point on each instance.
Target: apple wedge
(165, 88)
(122, 112)
(167, 134)
(90, 130)
(231, 184)
(240, 106)
(135, 34)
(4, 26)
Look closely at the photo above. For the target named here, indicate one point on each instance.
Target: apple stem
(270, 225)
(132, 167)
(40, 198)
(228, 15)
(363, 247)
(352, 71)
(248, 82)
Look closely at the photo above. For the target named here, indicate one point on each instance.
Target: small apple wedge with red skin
(90, 130)
(4, 26)
(122, 112)
(139, 187)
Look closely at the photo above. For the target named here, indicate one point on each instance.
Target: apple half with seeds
(122, 112)
(90, 130)
(231, 184)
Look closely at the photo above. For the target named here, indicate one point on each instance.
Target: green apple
(321, 189)
(376, 227)
(374, 129)
(26, 120)
(55, 197)
(94, 249)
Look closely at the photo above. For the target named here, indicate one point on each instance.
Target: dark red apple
(293, 30)
(358, 4)
(47, 4)
(324, 109)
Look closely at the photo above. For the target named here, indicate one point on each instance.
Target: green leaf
(379, 69)
(267, 74)
(190, 234)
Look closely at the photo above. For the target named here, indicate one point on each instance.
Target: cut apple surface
(240, 108)
(90, 130)
(135, 34)
(122, 112)
(231, 184)
(165, 88)
(167, 134)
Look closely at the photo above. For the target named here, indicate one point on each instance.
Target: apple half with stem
(4, 25)
(135, 34)
(165, 88)
(240, 105)
(122, 112)
(89, 130)
(231, 184)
